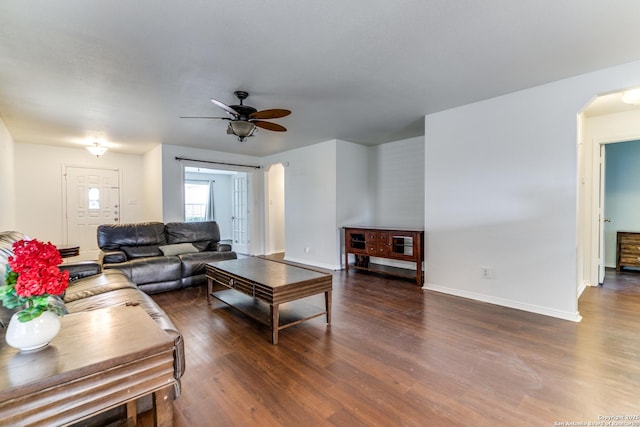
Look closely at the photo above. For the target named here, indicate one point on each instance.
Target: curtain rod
(199, 180)
(218, 163)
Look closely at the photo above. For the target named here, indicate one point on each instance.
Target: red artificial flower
(37, 266)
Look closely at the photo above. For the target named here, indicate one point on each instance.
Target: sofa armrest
(78, 270)
(111, 257)
(221, 247)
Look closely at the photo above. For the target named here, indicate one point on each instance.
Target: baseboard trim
(573, 317)
(313, 264)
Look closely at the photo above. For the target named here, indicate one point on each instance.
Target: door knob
(607, 220)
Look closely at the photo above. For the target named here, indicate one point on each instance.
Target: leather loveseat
(90, 288)
(161, 257)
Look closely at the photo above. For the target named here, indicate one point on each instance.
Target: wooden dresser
(379, 242)
(627, 249)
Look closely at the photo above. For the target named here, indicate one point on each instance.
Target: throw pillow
(178, 249)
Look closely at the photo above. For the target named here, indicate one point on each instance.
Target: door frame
(254, 217)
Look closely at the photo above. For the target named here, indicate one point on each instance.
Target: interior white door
(239, 219)
(92, 198)
(601, 215)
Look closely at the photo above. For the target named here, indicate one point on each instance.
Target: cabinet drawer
(377, 236)
(630, 260)
(629, 249)
(631, 238)
(377, 249)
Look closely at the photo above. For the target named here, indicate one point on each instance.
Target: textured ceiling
(361, 71)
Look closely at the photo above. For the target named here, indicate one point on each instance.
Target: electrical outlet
(486, 272)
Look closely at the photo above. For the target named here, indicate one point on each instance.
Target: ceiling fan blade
(204, 117)
(269, 126)
(225, 107)
(275, 113)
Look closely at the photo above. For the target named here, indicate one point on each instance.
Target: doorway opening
(621, 200)
(274, 211)
(222, 196)
(606, 126)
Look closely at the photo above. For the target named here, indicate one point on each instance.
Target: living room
(153, 181)
(502, 179)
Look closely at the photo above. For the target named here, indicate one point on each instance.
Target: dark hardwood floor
(397, 356)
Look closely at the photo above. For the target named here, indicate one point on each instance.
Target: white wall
(311, 232)
(152, 170)
(353, 189)
(397, 177)
(7, 180)
(501, 192)
(40, 186)
(622, 194)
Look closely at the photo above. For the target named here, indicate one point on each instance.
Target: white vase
(33, 334)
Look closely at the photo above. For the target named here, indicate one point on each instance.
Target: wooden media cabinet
(389, 243)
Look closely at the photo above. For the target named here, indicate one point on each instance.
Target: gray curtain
(209, 214)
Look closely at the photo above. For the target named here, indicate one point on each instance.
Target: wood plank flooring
(397, 356)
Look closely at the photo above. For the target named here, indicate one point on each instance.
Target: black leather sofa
(161, 257)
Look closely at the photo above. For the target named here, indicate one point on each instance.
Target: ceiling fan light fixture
(242, 129)
(96, 149)
(631, 97)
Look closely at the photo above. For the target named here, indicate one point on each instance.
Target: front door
(92, 198)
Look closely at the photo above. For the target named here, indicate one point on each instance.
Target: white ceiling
(365, 71)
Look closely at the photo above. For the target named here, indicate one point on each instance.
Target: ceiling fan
(244, 119)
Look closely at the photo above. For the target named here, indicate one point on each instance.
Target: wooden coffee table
(269, 291)
(100, 359)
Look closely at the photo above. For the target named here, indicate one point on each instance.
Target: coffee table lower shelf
(290, 313)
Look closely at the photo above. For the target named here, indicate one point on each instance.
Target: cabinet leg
(132, 411)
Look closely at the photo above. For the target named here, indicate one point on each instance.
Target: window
(94, 197)
(196, 198)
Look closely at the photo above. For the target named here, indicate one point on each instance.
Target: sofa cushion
(109, 280)
(113, 236)
(134, 252)
(178, 249)
(150, 270)
(204, 232)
